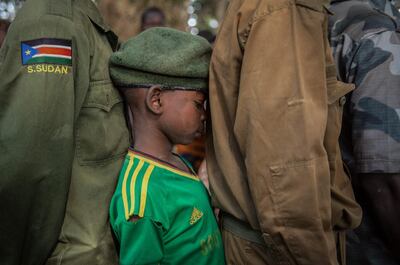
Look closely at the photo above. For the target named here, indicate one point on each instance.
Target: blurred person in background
(152, 17)
(4, 24)
(365, 37)
(194, 152)
(208, 35)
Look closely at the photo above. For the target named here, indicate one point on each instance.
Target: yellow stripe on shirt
(133, 183)
(124, 191)
(169, 168)
(145, 184)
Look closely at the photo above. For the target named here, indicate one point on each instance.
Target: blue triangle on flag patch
(27, 52)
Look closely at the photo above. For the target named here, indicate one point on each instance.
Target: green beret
(162, 56)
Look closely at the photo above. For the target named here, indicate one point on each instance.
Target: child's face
(183, 116)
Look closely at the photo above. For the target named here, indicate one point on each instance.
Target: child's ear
(153, 99)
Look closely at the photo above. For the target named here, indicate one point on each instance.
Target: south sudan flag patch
(46, 51)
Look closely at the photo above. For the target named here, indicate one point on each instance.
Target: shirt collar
(91, 10)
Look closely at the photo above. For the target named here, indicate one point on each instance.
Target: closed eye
(199, 105)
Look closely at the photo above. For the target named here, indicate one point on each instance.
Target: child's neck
(153, 143)
(150, 140)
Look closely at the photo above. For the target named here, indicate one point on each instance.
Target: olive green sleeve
(38, 107)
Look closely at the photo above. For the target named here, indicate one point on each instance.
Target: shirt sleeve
(38, 108)
(279, 126)
(141, 242)
(374, 106)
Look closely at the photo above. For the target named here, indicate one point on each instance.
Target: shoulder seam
(132, 186)
(61, 8)
(124, 189)
(144, 188)
(269, 10)
(259, 15)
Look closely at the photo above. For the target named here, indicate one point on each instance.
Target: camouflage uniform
(365, 39)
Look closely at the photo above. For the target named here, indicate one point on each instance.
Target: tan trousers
(242, 252)
(239, 251)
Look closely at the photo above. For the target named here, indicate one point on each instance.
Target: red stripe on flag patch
(55, 51)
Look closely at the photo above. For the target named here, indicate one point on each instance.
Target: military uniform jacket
(62, 136)
(365, 37)
(273, 156)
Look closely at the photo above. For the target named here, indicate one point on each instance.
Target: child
(160, 211)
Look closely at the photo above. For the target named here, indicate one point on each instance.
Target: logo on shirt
(46, 51)
(196, 215)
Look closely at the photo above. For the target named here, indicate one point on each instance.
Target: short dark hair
(150, 10)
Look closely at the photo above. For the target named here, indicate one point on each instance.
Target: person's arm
(38, 109)
(376, 130)
(374, 104)
(280, 126)
(141, 242)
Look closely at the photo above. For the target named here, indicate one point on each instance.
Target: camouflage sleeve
(374, 106)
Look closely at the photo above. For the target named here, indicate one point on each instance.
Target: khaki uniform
(273, 157)
(63, 137)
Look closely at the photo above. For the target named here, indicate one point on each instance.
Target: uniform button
(342, 101)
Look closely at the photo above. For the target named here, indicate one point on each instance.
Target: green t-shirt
(176, 225)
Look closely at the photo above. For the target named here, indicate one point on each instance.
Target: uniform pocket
(299, 184)
(337, 92)
(301, 196)
(316, 5)
(345, 211)
(102, 134)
